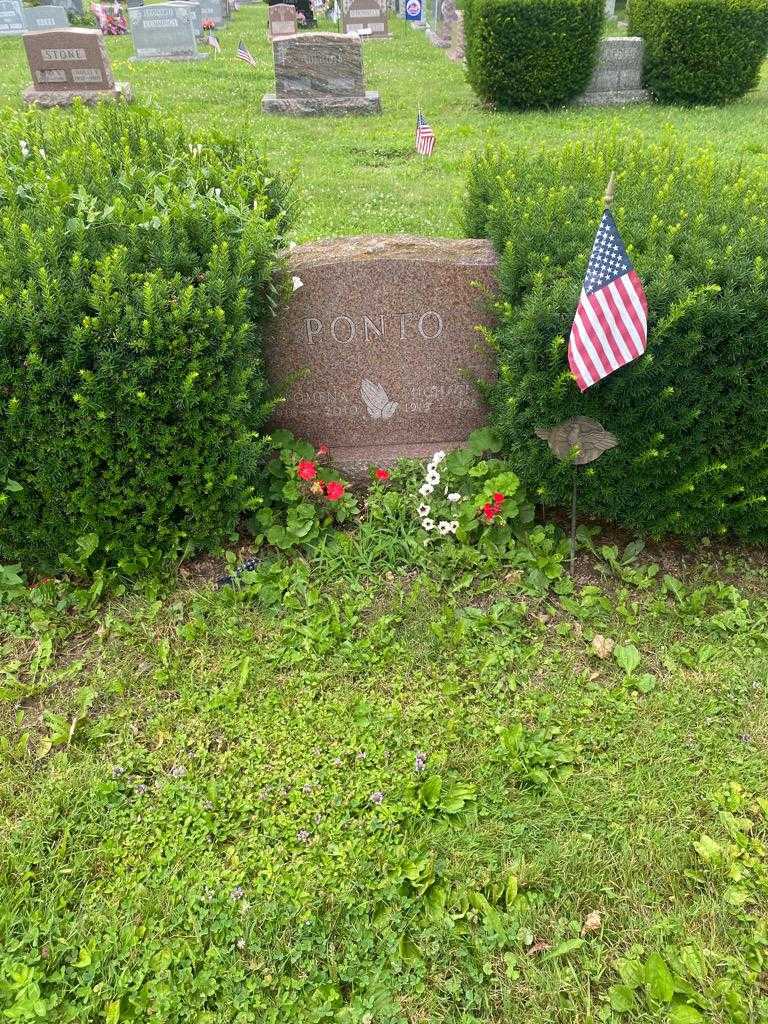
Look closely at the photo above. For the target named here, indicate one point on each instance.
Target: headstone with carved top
(319, 73)
(281, 20)
(67, 64)
(379, 351)
(164, 32)
(38, 18)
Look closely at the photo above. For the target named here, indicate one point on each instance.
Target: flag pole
(610, 191)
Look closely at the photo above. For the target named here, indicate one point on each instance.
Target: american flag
(425, 137)
(213, 42)
(244, 54)
(611, 324)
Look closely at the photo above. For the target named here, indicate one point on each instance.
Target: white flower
(42, 154)
(432, 477)
(437, 458)
(423, 510)
(297, 283)
(454, 525)
(444, 527)
(425, 490)
(428, 524)
(454, 497)
(24, 147)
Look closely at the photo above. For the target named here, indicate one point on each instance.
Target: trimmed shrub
(691, 413)
(531, 53)
(701, 51)
(135, 275)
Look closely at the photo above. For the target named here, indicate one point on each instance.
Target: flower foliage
(473, 498)
(301, 497)
(136, 272)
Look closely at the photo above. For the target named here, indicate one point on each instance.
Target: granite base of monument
(170, 56)
(66, 97)
(618, 75)
(317, 106)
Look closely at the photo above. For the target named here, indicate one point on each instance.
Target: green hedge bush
(691, 413)
(135, 275)
(531, 53)
(701, 51)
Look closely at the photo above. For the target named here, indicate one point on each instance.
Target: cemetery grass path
(362, 175)
(237, 829)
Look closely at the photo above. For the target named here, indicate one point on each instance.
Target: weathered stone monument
(618, 75)
(68, 64)
(319, 73)
(75, 6)
(216, 11)
(164, 32)
(194, 8)
(281, 20)
(38, 18)
(456, 51)
(379, 347)
(440, 34)
(366, 18)
(11, 18)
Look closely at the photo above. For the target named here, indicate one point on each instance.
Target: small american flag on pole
(245, 54)
(213, 42)
(425, 137)
(610, 328)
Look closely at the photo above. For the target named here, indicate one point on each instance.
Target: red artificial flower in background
(322, 450)
(498, 499)
(307, 469)
(334, 490)
(489, 511)
(382, 474)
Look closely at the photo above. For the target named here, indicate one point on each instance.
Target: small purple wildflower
(307, 788)
(361, 755)
(178, 771)
(337, 762)
(302, 835)
(141, 789)
(420, 762)
(237, 893)
(377, 797)
(117, 771)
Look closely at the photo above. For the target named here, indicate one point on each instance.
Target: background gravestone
(42, 17)
(319, 73)
(368, 18)
(164, 32)
(618, 75)
(67, 64)
(379, 346)
(193, 7)
(281, 20)
(216, 11)
(75, 6)
(440, 32)
(11, 18)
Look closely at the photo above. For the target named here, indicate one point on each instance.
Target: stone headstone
(194, 8)
(281, 20)
(609, 8)
(216, 11)
(164, 32)
(456, 51)
(74, 6)
(135, 3)
(442, 32)
(379, 348)
(366, 18)
(67, 64)
(319, 73)
(618, 75)
(11, 18)
(39, 18)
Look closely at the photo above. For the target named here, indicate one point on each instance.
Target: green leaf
(483, 440)
(631, 973)
(658, 978)
(564, 948)
(85, 959)
(622, 998)
(510, 892)
(628, 658)
(429, 792)
(683, 1013)
(112, 1015)
(409, 951)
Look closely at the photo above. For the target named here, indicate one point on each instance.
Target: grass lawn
(380, 786)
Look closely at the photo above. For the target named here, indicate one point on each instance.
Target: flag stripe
(596, 321)
(611, 326)
(627, 330)
(589, 346)
(637, 328)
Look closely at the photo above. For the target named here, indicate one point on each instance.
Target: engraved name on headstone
(70, 63)
(319, 73)
(216, 11)
(11, 18)
(193, 7)
(42, 17)
(164, 32)
(380, 349)
(366, 18)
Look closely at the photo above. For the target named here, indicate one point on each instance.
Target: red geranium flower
(307, 469)
(489, 511)
(498, 499)
(382, 474)
(334, 490)
(322, 450)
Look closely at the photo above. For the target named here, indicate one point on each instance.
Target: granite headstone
(319, 73)
(11, 18)
(281, 20)
(42, 17)
(379, 348)
(216, 11)
(618, 75)
(193, 7)
(67, 64)
(75, 6)
(164, 32)
(366, 18)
